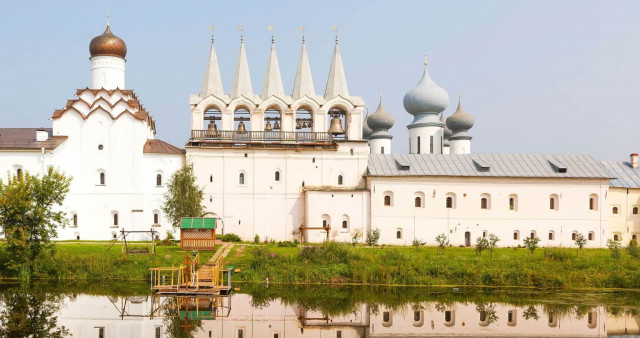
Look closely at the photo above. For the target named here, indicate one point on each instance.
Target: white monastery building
(299, 164)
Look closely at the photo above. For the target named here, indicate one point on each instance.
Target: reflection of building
(129, 317)
(105, 139)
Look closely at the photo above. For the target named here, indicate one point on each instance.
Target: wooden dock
(193, 278)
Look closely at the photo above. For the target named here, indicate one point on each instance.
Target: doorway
(467, 238)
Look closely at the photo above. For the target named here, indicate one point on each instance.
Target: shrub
(556, 255)
(256, 239)
(531, 243)
(417, 242)
(328, 253)
(231, 238)
(288, 244)
(614, 248)
(632, 249)
(442, 241)
(356, 235)
(492, 243)
(481, 245)
(373, 237)
(580, 242)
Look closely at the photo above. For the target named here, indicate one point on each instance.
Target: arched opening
(304, 119)
(512, 317)
(276, 176)
(337, 116)
(616, 237)
(345, 223)
(614, 210)
(553, 202)
(593, 202)
(102, 178)
(552, 235)
(451, 201)
(513, 202)
(574, 235)
(326, 221)
(591, 236)
(388, 198)
(533, 234)
(241, 179)
(485, 201)
(272, 122)
(156, 218)
(19, 173)
(159, 180)
(387, 319)
(74, 220)
(242, 122)
(516, 235)
(418, 199)
(212, 121)
(449, 318)
(115, 218)
(399, 233)
(592, 320)
(635, 210)
(339, 179)
(418, 318)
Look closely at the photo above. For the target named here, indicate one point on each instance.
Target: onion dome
(380, 118)
(366, 131)
(460, 120)
(446, 132)
(108, 44)
(426, 96)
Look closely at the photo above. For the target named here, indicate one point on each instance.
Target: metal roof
(25, 139)
(486, 165)
(625, 176)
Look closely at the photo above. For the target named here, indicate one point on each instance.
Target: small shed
(197, 233)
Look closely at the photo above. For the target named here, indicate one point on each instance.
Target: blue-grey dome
(366, 131)
(460, 120)
(426, 97)
(380, 119)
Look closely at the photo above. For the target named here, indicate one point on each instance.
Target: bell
(268, 126)
(276, 125)
(298, 126)
(336, 127)
(241, 127)
(212, 127)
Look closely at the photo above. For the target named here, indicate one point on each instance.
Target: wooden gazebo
(197, 233)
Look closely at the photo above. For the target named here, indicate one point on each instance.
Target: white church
(310, 166)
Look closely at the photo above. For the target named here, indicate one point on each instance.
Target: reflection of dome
(108, 44)
(380, 119)
(366, 131)
(460, 120)
(446, 132)
(426, 96)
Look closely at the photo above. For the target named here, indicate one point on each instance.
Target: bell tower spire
(272, 85)
(303, 84)
(337, 82)
(212, 83)
(242, 78)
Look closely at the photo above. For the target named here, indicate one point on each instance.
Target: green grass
(341, 263)
(93, 262)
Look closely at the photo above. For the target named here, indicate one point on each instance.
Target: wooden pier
(193, 278)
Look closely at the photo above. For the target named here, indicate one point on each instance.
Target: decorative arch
(593, 202)
(513, 202)
(554, 202)
(305, 103)
(345, 224)
(485, 201)
(388, 198)
(271, 102)
(326, 221)
(418, 199)
(450, 200)
(241, 102)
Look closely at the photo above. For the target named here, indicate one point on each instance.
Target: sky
(543, 76)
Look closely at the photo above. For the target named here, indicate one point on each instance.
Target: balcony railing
(273, 136)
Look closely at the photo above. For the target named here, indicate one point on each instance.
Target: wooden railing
(261, 136)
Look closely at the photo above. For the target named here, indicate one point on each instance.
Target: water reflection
(322, 312)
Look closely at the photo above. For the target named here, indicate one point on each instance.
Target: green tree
(481, 245)
(632, 249)
(614, 248)
(183, 197)
(30, 315)
(373, 237)
(30, 215)
(492, 243)
(442, 241)
(531, 244)
(580, 241)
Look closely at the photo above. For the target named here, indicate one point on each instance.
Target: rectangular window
(381, 150)
(418, 145)
(338, 334)
(158, 332)
(431, 145)
(100, 332)
(240, 333)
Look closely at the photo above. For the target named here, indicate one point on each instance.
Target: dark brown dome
(108, 44)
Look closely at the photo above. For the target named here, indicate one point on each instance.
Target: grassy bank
(91, 261)
(341, 263)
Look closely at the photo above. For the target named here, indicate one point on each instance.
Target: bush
(556, 255)
(328, 253)
(256, 239)
(481, 245)
(288, 244)
(632, 249)
(531, 243)
(442, 241)
(417, 242)
(373, 237)
(231, 238)
(614, 248)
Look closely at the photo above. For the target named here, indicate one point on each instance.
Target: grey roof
(486, 165)
(625, 176)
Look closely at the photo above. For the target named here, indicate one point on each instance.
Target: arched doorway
(467, 238)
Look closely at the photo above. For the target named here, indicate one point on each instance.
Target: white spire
(242, 78)
(212, 83)
(303, 84)
(337, 83)
(272, 85)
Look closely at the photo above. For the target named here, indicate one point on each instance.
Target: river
(130, 310)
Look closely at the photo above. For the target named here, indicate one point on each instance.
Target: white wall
(625, 223)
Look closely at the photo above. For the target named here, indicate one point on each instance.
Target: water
(129, 310)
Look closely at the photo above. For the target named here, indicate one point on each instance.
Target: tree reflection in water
(180, 327)
(30, 314)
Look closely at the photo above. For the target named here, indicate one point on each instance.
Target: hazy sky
(538, 76)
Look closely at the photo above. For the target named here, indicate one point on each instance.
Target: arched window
(614, 210)
(516, 235)
(593, 202)
(19, 173)
(483, 203)
(574, 235)
(513, 202)
(616, 237)
(159, 180)
(326, 221)
(591, 236)
(418, 202)
(451, 201)
(345, 223)
(388, 198)
(399, 233)
(115, 219)
(552, 235)
(635, 210)
(210, 178)
(75, 220)
(102, 179)
(553, 202)
(533, 235)
(156, 218)
(418, 199)
(339, 179)
(241, 179)
(277, 176)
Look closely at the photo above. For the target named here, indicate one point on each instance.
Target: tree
(492, 243)
(481, 245)
(373, 237)
(356, 235)
(580, 241)
(31, 314)
(632, 249)
(183, 197)
(614, 247)
(531, 244)
(442, 241)
(30, 215)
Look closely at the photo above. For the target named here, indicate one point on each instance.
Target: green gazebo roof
(198, 223)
